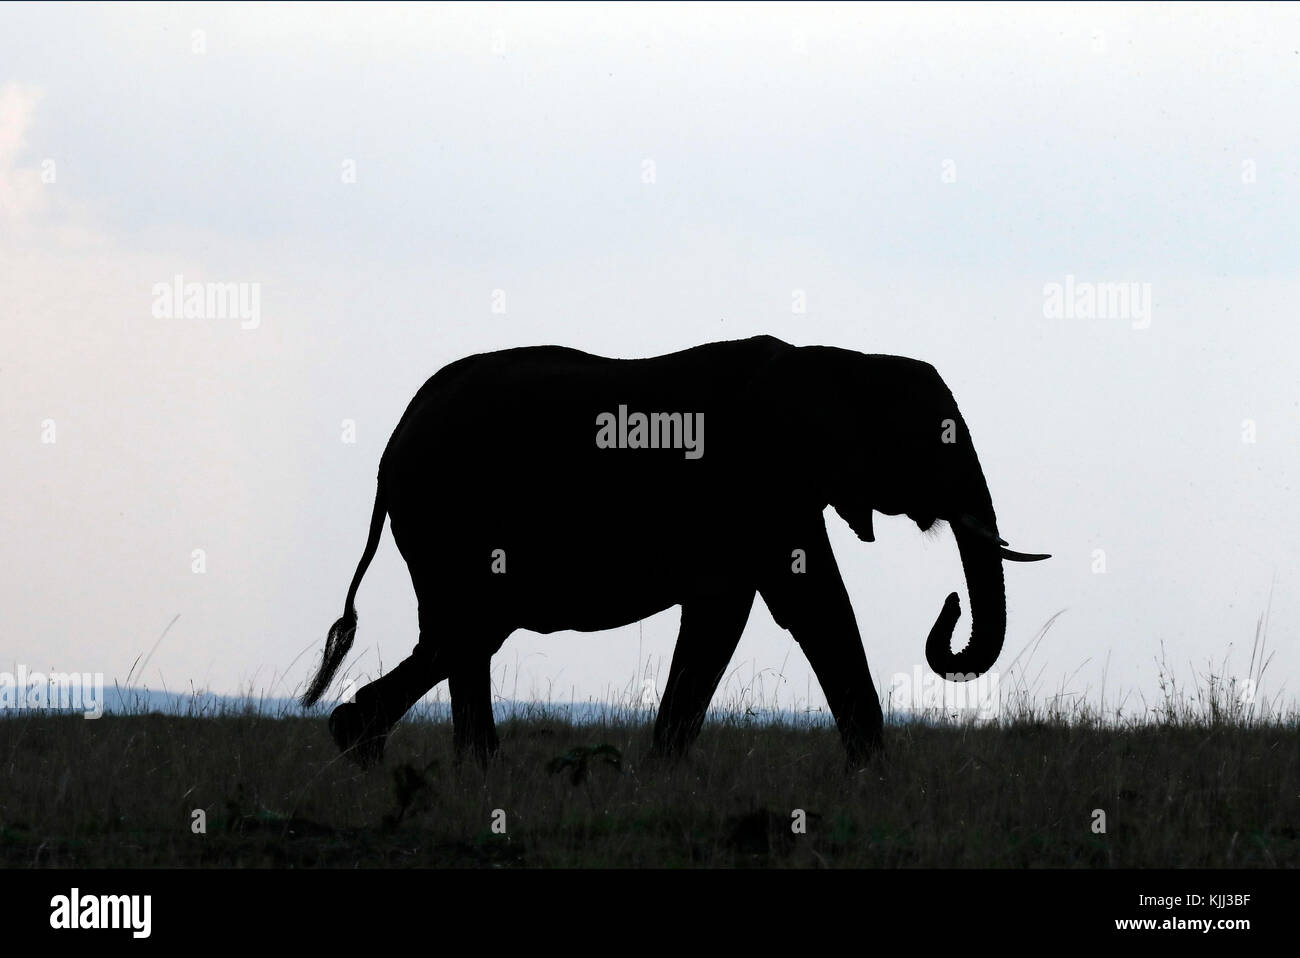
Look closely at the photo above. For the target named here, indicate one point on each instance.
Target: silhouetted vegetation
(1188, 785)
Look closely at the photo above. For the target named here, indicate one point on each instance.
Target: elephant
(545, 488)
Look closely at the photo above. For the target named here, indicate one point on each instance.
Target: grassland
(1189, 787)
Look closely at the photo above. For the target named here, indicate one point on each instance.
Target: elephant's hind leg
(474, 730)
(710, 629)
(360, 729)
(447, 649)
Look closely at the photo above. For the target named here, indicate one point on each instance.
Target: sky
(393, 187)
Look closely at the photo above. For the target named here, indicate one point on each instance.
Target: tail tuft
(341, 632)
(336, 649)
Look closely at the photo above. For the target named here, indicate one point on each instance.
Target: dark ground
(122, 791)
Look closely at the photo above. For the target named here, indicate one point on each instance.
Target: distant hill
(137, 701)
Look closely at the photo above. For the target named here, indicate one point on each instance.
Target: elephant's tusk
(980, 529)
(1022, 556)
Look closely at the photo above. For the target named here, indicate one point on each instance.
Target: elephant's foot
(360, 738)
(665, 755)
(673, 738)
(477, 756)
(865, 753)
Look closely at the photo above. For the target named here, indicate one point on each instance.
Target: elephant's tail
(341, 633)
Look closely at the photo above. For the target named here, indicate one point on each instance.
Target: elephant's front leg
(806, 595)
(710, 629)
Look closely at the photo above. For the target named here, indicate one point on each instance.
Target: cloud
(21, 193)
(36, 212)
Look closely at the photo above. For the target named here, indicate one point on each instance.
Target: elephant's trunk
(981, 560)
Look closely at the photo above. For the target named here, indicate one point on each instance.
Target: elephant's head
(892, 440)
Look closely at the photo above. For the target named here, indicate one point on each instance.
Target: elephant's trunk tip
(938, 646)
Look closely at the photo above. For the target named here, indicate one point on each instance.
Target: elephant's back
(509, 439)
(546, 398)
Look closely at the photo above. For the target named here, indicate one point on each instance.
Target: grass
(1194, 791)
(1208, 777)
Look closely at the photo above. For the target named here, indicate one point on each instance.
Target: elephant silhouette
(545, 488)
